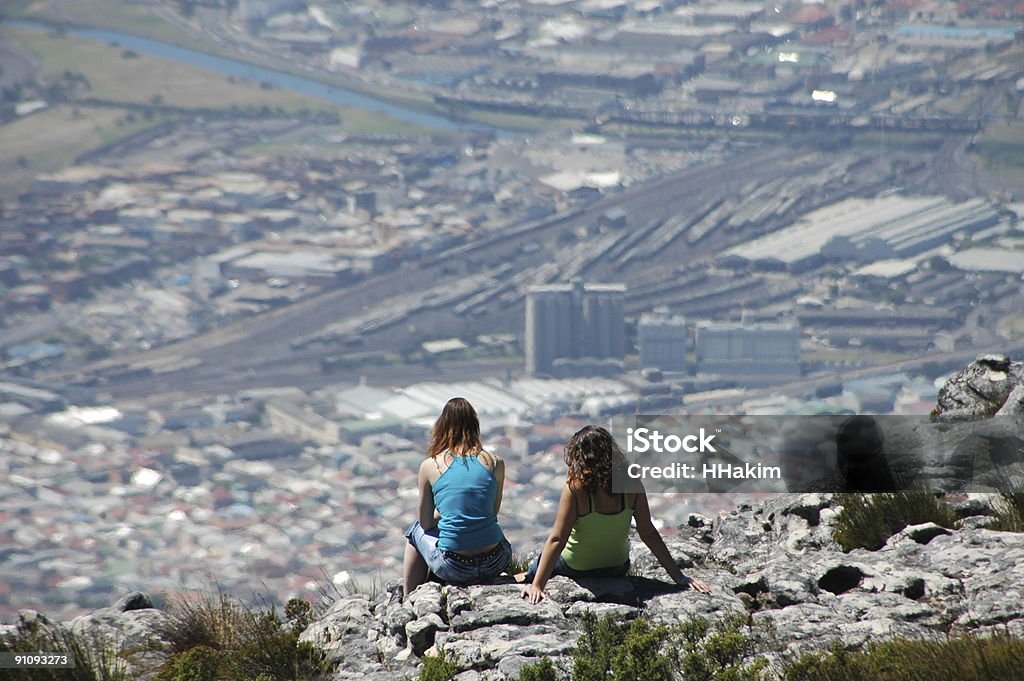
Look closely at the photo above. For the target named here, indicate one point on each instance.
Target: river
(240, 69)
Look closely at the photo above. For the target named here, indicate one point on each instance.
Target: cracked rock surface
(775, 561)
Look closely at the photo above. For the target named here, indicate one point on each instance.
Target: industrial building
(754, 351)
(574, 321)
(661, 338)
(868, 230)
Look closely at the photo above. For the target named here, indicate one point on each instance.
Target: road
(167, 389)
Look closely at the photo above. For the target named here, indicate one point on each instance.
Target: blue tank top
(464, 496)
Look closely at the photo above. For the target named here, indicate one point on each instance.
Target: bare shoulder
(429, 470)
(572, 498)
(491, 460)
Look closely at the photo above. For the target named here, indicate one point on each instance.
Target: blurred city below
(249, 248)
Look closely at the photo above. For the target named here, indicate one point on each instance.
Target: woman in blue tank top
(456, 534)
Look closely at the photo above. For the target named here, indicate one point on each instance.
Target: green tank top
(598, 540)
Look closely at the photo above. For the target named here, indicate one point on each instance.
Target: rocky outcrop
(991, 384)
(773, 562)
(131, 624)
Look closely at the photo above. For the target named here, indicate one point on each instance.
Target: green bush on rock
(95, 657)
(696, 650)
(199, 663)
(1009, 512)
(440, 667)
(215, 637)
(957, 659)
(541, 671)
(867, 521)
(608, 649)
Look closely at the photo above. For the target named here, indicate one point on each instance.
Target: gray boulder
(421, 632)
(981, 389)
(493, 605)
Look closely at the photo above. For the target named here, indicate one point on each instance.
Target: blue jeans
(458, 569)
(562, 568)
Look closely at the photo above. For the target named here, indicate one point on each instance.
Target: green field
(117, 75)
(116, 15)
(52, 139)
(139, 19)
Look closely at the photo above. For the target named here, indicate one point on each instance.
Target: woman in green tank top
(590, 537)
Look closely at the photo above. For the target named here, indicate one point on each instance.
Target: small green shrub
(200, 663)
(440, 667)
(272, 649)
(958, 659)
(214, 637)
(213, 620)
(717, 651)
(95, 657)
(868, 520)
(697, 650)
(643, 654)
(1009, 510)
(607, 649)
(542, 671)
(299, 614)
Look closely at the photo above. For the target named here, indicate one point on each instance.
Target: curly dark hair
(592, 457)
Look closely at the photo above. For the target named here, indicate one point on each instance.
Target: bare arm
(652, 538)
(427, 516)
(564, 520)
(499, 475)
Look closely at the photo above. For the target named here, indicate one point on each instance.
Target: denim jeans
(457, 570)
(562, 568)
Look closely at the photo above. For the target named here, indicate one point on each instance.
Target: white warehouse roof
(870, 230)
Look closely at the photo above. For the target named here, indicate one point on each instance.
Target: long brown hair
(457, 429)
(592, 457)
